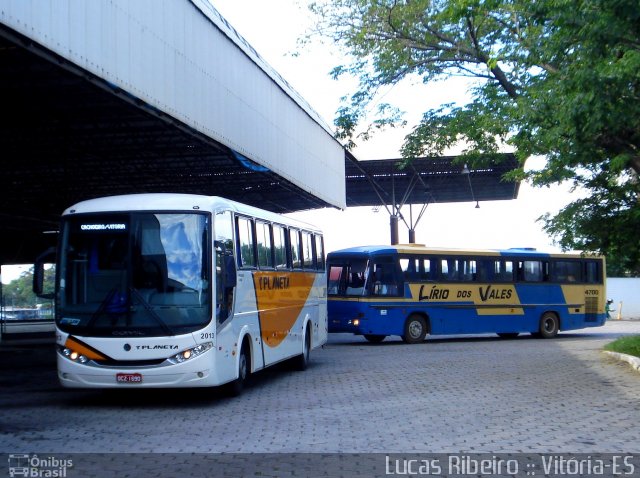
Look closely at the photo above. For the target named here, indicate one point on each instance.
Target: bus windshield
(347, 277)
(134, 274)
(353, 276)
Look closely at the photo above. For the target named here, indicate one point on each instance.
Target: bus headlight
(73, 355)
(190, 353)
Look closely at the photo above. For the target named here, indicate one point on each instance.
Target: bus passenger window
(444, 270)
(319, 252)
(427, 267)
(566, 271)
(484, 272)
(503, 271)
(592, 274)
(531, 271)
(383, 279)
(294, 236)
(415, 269)
(263, 236)
(307, 251)
(280, 246)
(468, 270)
(408, 268)
(450, 269)
(246, 242)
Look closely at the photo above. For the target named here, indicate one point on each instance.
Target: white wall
(627, 291)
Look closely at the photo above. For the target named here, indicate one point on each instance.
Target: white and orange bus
(175, 290)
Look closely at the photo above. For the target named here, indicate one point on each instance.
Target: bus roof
(178, 202)
(422, 249)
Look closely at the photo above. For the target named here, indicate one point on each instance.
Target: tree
(19, 292)
(558, 78)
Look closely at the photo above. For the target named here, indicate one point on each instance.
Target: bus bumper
(194, 373)
(351, 326)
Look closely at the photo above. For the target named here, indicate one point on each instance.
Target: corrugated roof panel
(182, 58)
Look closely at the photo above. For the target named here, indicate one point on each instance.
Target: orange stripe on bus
(280, 297)
(77, 346)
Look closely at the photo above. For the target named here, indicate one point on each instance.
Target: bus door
(499, 298)
(225, 267)
(346, 278)
(385, 285)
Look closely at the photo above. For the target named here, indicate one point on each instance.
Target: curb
(630, 359)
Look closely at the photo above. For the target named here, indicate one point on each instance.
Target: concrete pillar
(393, 223)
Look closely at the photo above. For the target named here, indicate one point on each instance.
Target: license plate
(129, 378)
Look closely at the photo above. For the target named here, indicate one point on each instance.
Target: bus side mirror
(46, 257)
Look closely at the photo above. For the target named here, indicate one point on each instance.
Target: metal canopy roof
(427, 181)
(67, 136)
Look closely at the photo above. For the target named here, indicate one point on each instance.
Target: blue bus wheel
(415, 330)
(549, 325)
(508, 335)
(374, 339)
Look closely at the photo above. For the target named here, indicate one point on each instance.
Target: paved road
(470, 395)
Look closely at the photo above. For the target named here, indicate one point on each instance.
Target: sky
(273, 29)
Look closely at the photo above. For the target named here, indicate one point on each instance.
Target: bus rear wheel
(302, 360)
(415, 329)
(374, 339)
(549, 325)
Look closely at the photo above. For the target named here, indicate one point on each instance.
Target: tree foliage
(558, 78)
(19, 292)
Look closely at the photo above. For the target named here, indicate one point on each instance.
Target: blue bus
(413, 291)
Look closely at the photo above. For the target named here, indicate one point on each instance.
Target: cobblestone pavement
(448, 395)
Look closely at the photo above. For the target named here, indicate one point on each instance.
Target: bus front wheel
(549, 325)
(374, 338)
(415, 330)
(236, 387)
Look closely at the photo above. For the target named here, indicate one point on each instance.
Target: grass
(625, 345)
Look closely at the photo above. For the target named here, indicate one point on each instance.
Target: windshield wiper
(152, 312)
(119, 308)
(104, 305)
